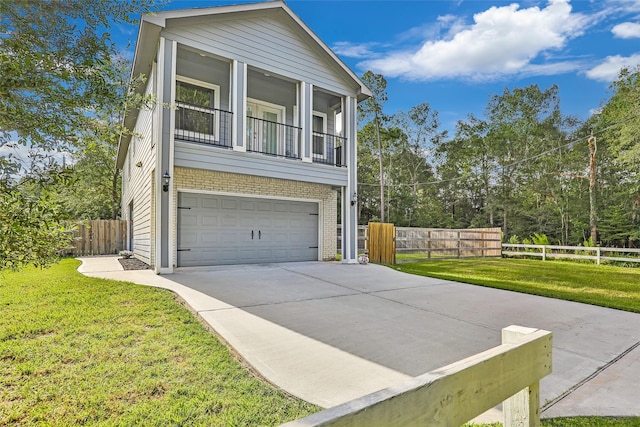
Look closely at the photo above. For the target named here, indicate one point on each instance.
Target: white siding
(267, 43)
(136, 184)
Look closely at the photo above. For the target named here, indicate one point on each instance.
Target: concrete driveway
(329, 332)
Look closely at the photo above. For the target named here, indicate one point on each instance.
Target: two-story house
(249, 146)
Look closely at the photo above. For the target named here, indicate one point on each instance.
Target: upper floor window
(196, 104)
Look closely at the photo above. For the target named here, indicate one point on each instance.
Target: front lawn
(603, 285)
(78, 350)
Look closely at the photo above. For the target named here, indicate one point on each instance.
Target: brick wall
(186, 179)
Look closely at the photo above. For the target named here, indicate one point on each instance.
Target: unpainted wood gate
(381, 242)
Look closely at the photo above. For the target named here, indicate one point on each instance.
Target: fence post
(544, 253)
(523, 408)
(598, 255)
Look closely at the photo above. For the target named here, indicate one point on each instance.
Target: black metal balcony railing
(272, 138)
(213, 126)
(202, 124)
(327, 149)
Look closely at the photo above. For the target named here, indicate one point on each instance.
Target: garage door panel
(245, 205)
(217, 230)
(189, 220)
(265, 206)
(229, 204)
(210, 220)
(210, 203)
(188, 200)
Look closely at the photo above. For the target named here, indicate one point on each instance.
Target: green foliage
(514, 239)
(76, 350)
(523, 167)
(589, 243)
(540, 239)
(56, 67)
(63, 88)
(31, 229)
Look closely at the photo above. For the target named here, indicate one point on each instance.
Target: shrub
(126, 254)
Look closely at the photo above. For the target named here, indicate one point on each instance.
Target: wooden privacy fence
(459, 392)
(381, 243)
(449, 243)
(417, 244)
(98, 237)
(596, 254)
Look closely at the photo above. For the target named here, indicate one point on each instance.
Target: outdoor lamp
(165, 179)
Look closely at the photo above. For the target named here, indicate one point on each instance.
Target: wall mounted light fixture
(165, 179)
(354, 199)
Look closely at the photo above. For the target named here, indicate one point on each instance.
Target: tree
(56, 62)
(59, 79)
(373, 108)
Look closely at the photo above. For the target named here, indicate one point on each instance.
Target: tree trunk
(593, 215)
(381, 170)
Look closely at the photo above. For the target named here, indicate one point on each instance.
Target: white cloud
(608, 71)
(502, 40)
(627, 30)
(354, 50)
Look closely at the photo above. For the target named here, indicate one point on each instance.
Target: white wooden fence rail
(578, 252)
(457, 393)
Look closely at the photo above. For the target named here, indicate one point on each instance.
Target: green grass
(603, 285)
(78, 350)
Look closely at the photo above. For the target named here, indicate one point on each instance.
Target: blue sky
(455, 54)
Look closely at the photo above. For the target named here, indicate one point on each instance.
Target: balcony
(274, 139)
(327, 149)
(194, 123)
(202, 124)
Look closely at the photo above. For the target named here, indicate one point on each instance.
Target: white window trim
(282, 108)
(216, 106)
(324, 131)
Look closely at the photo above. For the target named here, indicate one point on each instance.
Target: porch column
(306, 120)
(239, 105)
(349, 193)
(164, 157)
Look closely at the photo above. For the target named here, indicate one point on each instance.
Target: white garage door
(216, 229)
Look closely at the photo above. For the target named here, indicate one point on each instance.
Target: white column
(349, 210)
(239, 105)
(165, 209)
(306, 120)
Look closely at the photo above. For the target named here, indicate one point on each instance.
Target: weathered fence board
(454, 394)
(98, 237)
(445, 243)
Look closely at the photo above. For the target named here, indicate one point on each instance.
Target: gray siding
(206, 69)
(263, 42)
(136, 181)
(275, 91)
(201, 156)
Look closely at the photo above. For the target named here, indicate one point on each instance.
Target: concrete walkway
(329, 332)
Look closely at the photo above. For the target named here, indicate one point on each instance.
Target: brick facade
(186, 179)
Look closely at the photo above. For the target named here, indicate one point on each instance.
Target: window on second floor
(196, 104)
